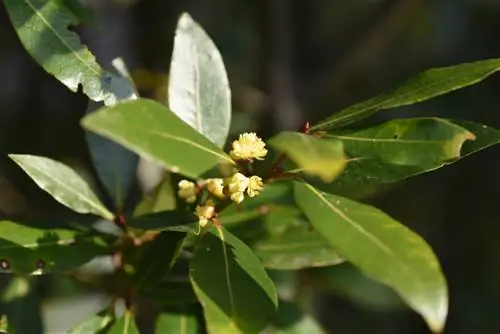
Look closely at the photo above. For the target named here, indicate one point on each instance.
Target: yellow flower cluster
(247, 147)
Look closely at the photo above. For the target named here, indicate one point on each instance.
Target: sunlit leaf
(176, 320)
(198, 89)
(124, 325)
(420, 141)
(236, 294)
(151, 130)
(62, 183)
(382, 248)
(426, 85)
(43, 28)
(317, 157)
(30, 250)
(96, 323)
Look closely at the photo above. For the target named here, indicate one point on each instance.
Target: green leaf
(43, 28)
(62, 183)
(82, 11)
(124, 325)
(290, 319)
(28, 250)
(418, 141)
(179, 220)
(96, 323)
(236, 294)
(424, 86)
(382, 248)
(151, 130)
(176, 320)
(198, 89)
(317, 157)
(362, 172)
(162, 198)
(158, 258)
(115, 165)
(170, 293)
(284, 240)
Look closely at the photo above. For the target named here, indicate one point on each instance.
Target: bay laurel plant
(202, 242)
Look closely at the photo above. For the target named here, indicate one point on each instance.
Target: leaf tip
(185, 20)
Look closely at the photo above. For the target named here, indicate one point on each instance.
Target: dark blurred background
(289, 61)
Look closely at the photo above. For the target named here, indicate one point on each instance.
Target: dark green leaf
(96, 324)
(124, 325)
(382, 248)
(231, 284)
(151, 130)
(290, 319)
(283, 239)
(485, 137)
(82, 11)
(43, 28)
(158, 258)
(176, 320)
(29, 250)
(176, 220)
(418, 141)
(198, 89)
(170, 293)
(62, 183)
(424, 86)
(317, 157)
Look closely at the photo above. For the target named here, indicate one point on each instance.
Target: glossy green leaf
(236, 294)
(426, 85)
(317, 157)
(176, 320)
(151, 130)
(382, 248)
(290, 319)
(62, 183)
(284, 240)
(96, 323)
(198, 89)
(124, 325)
(170, 293)
(365, 171)
(419, 141)
(158, 258)
(29, 250)
(43, 28)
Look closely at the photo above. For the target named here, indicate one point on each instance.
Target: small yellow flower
(187, 191)
(247, 147)
(237, 185)
(255, 186)
(216, 187)
(205, 212)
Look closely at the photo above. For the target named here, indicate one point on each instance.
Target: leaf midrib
(63, 41)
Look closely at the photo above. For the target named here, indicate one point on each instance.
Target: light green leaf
(154, 132)
(25, 249)
(96, 323)
(62, 183)
(284, 240)
(43, 28)
(236, 294)
(290, 319)
(176, 320)
(124, 325)
(198, 89)
(382, 248)
(418, 141)
(162, 198)
(317, 157)
(424, 86)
